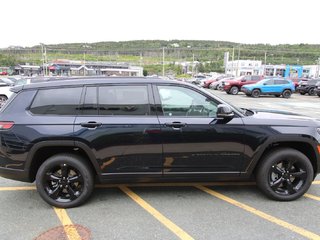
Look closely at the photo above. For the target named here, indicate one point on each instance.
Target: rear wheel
(234, 90)
(286, 93)
(284, 174)
(256, 93)
(65, 180)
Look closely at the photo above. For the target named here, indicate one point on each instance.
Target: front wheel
(284, 174)
(234, 90)
(255, 93)
(65, 180)
(311, 92)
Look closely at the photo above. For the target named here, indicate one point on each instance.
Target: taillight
(6, 125)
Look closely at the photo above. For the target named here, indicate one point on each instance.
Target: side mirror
(224, 112)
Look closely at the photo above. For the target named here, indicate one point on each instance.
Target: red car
(3, 73)
(234, 86)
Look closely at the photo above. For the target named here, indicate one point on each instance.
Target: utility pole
(238, 61)
(163, 61)
(232, 60)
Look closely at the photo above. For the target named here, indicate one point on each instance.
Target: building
(81, 68)
(244, 67)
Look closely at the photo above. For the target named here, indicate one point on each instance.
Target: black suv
(307, 87)
(66, 134)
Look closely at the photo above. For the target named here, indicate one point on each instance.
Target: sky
(28, 23)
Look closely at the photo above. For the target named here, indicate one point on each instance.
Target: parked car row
(256, 85)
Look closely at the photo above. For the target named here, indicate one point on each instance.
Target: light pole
(44, 54)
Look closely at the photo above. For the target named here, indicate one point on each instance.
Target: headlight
(226, 84)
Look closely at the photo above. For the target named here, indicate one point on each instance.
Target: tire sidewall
(75, 162)
(263, 173)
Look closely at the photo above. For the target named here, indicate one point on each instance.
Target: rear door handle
(175, 125)
(91, 124)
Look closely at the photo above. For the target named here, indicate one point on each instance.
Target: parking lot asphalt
(171, 210)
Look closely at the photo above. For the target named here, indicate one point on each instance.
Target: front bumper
(301, 89)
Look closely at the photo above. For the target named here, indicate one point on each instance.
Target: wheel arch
(304, 147)
(43, 150)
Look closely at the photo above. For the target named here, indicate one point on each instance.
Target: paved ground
(169, 211)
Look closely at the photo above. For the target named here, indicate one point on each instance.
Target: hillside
(149, 54)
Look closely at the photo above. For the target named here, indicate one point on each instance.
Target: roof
(80, 81)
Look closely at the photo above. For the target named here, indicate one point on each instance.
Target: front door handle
(175, 125)
(91, 124)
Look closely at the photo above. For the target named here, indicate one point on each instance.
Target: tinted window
(123, 100)
(90, 106)
(255, 78)
(62, 101)
(269, 82)
(280, 82)
(180, 101)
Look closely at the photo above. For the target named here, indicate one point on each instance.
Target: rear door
(120, 126)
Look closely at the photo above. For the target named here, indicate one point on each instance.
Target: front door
(194, 140)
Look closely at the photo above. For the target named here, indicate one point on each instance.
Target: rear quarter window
(57, 101)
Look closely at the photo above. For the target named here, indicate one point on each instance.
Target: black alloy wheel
(256, 93)
(65, 180)
(285, 174)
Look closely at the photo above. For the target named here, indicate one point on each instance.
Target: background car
(276, 86)
(214, 85)
(307, 86)
(233, 86)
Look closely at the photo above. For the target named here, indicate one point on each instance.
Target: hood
(283, 118)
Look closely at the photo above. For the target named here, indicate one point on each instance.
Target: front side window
(184, 102)
(123, 100)
(57, 101)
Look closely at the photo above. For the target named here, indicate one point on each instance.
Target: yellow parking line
(261, 214)
(161, 218)
(68, 226)
(316, 182)
(312, 197)
(18, 188)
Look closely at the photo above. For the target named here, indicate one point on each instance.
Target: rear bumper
(15, 174)
(301, 90)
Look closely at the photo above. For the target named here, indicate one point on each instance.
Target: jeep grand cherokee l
(66, 134)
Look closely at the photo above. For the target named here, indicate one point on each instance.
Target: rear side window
(281, 82)
(123, 100)
(60, 101)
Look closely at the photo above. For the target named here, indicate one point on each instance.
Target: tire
(68, 192)
(284, 174)
(234, 90)
(286, 93)
(255, 93)
(311, 92)
(3, 100)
